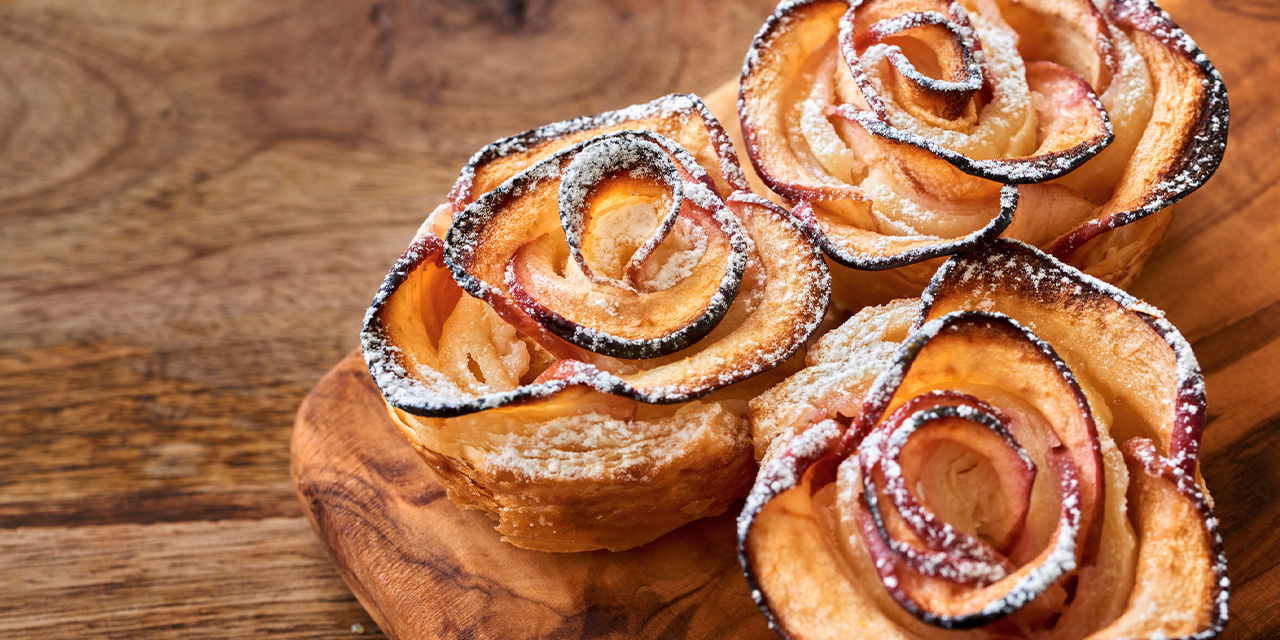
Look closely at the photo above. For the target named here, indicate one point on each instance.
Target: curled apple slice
(680, 117)
(981, 350)
(992, 478)
(571, 341)
(853, 246)
(1178, 150)
(950, 41)
(903, 459)
(918, 67)
(611, 192)
(891, 126)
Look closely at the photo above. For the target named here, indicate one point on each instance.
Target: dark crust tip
(1208, 135)
(971, 242)
(407, 392)
(461, 193)
(1029, 170)
(1158, 466)
(780, 475)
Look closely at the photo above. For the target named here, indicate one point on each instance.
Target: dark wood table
(198, 199)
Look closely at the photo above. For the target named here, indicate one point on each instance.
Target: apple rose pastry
(1021, 461)
(562, 340)
(896, 128)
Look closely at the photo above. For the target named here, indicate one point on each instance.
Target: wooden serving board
(425, 568)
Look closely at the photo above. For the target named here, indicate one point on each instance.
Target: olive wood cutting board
(425, 568)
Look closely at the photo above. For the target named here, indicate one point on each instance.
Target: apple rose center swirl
(947, 478)
(899, 126)
(621, 251)
(572, 339)
(965, 476)
(647, 305)
(907, 130)
(972, 561)
(1060, 127)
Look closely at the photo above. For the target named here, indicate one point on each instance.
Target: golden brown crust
(580, 483)
(571, 341)
(839, 368)
(865, 527)
(1103, 116)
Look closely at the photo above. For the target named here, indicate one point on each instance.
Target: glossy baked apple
(1014, 455)
(571, 340)
(897, 130)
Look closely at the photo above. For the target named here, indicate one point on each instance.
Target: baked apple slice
(617, 199)
(1023, 462)
(897, 129)
(570, 342)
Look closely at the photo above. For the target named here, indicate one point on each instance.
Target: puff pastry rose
(897, 127)
(1015, 455)
(567, 339)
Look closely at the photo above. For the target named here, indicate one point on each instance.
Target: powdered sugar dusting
(1002, 66)
(955, 556)
(896, 251)
(784, 472)
(600, 158)
(994, 52)
(419, 389)
(1051, 278)
(624, 449)
(1202, 150)
(605, 155)
(1185, 483)
(1032, 277)
(674, 105)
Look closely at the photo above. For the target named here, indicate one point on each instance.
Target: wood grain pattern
(425, 568)
(198, 199)
(235, 579)
(197, 202)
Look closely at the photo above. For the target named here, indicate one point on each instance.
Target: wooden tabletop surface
(198, 200)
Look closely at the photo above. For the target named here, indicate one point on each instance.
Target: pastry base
(425, 568)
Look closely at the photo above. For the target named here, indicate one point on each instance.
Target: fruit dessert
(902, 131)
(572, 338)
(1014, 455)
